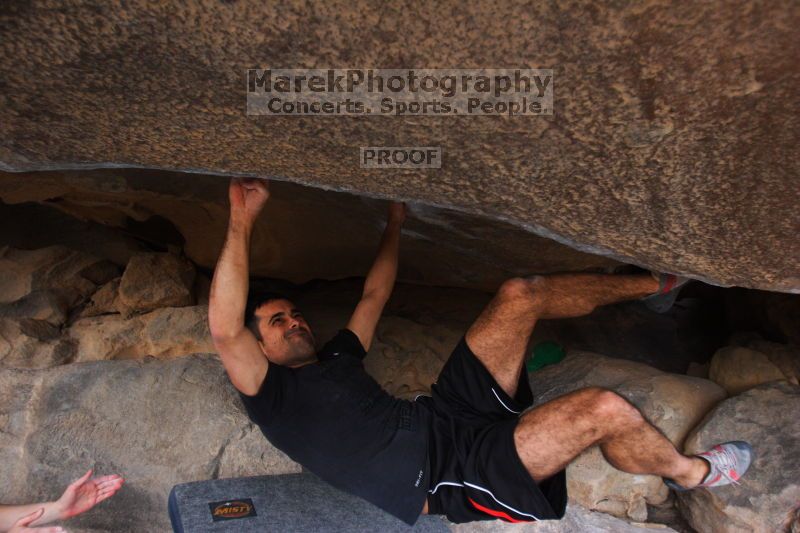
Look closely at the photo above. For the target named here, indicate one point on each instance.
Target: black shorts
(476, 473)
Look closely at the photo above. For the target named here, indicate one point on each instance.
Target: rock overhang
(672, 145)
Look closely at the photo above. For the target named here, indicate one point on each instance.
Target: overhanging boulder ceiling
(304, 233)
(673, 144)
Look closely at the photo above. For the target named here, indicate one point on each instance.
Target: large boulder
(663, 122)
(784, 356)
(767, 498)
(673, 403)
(737, 369)
(157, 423)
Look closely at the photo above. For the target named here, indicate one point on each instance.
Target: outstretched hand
(84, 493)
(248, 196)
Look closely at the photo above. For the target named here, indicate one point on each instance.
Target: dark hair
(255, 300)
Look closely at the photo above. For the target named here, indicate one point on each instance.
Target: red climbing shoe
(669, 286)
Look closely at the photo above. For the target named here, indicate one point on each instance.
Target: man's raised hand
(247, 197)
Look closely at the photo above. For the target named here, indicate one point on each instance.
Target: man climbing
(471, 451)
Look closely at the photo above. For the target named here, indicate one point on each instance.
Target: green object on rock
(545, 353)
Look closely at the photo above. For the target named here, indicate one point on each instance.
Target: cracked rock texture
(672, 146)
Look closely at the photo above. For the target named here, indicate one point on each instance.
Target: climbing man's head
(284, 335)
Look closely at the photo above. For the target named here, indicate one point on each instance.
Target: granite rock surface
(672, 144)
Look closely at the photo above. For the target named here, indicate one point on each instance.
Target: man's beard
(301, 350)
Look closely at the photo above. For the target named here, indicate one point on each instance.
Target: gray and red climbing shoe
(669, 286)
(728, 462)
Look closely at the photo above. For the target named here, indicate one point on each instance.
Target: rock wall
(672, 146)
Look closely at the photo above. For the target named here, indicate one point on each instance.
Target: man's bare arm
(380, 280)
(237, 346)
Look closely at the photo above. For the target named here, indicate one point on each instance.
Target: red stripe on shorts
(496, 514)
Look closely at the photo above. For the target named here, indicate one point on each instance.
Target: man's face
(286, 338)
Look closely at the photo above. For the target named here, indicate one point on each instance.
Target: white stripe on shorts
(472, 485)
(503, 404)
(453, 483)
(498, 501)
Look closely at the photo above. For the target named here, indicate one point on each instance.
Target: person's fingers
(111, 488)
(28, 518)
(256, 183)
(108, 489)
(109, 485)
(106, 479)
(104, 496)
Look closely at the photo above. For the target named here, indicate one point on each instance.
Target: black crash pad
(290, 502)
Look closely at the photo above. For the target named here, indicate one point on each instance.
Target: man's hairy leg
(550, 436)
(499, 337)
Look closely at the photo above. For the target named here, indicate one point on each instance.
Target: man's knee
(522, 289)
(610, 408)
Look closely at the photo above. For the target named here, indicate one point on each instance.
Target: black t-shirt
(334, 419)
